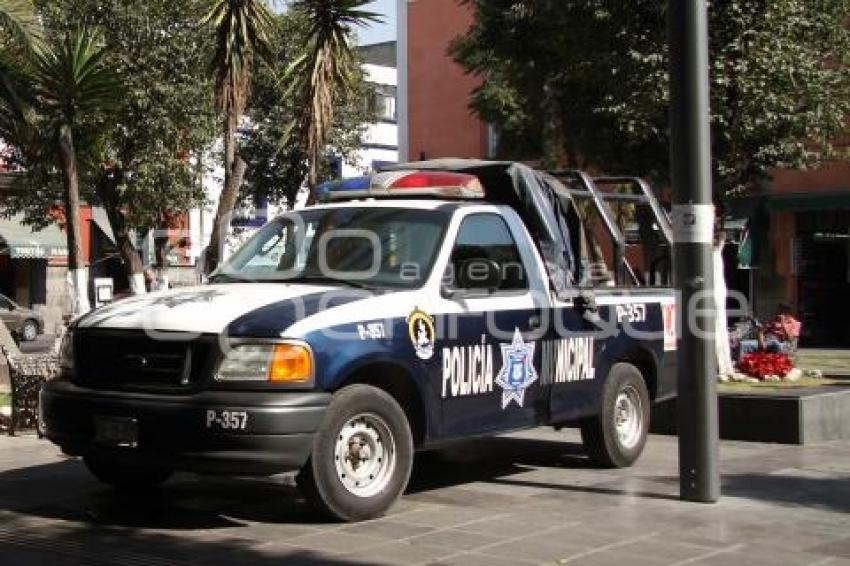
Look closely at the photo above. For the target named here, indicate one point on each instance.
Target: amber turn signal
(290, 363)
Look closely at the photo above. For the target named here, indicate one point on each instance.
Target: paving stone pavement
(529, 498)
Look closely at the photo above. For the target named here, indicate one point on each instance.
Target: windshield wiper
(225, 278)
(328, 281)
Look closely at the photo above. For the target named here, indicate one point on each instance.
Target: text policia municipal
(468, 370)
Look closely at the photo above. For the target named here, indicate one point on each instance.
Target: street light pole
(693, 220)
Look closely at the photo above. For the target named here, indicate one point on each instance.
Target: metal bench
(27, 373)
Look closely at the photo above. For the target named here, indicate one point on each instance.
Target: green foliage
(276, 159)
(67, 84)
(164, 113)
(585, 83)
(20, 30)
(72, 81)
(325, 70)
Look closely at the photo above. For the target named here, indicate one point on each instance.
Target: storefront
(33, 264)
(800, 255)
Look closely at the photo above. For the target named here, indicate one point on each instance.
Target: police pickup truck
(430, 303)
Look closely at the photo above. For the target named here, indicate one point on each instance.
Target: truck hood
(201, 309)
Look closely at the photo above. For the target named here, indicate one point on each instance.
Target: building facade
(799, 223)
(380, 145)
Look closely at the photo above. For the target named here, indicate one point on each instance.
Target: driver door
(489, 355)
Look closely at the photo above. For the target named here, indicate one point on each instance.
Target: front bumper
(174, 430)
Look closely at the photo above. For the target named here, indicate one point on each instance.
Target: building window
(382, 102)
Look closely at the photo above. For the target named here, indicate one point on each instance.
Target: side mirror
(477, 276)
(585, 303)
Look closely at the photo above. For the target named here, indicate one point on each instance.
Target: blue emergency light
(400, 184)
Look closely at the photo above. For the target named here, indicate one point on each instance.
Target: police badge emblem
(517, 371)
(420, 326)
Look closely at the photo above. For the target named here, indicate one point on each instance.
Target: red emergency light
(400, 184)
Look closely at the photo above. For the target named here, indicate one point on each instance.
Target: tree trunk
(107, 192)
(76, 264)
(312, 179)
(555, 153)
(160, 243)
(234, 172)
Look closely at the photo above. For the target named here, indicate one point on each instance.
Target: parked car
(25, 324)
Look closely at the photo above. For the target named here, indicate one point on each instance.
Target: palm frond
(73, 77)
(20, 28)
(326, 66)
(243, 29)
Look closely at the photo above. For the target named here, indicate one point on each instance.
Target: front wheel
(124, 477)
(615, 438)
(362, 455)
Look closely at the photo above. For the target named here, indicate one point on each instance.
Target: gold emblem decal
(420, 325)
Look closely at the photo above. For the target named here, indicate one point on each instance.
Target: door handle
(534, 322)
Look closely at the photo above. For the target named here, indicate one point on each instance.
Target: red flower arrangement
(762, 364)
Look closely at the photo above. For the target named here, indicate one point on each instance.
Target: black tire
(126, 478)
(357, 416)
(600, 436)
(29, 330)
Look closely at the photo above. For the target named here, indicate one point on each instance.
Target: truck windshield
(359, 247)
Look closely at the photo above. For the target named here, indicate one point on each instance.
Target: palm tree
(243, 29)
(20, 36)
(72, 86)
(20, 29)
(326, 67)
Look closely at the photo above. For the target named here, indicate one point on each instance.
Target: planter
(786, 416)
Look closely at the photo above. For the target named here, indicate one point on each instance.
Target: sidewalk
(528, 498)
(832, 362)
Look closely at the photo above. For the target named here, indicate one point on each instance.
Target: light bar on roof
(433, 184)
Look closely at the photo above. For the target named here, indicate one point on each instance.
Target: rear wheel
(615, 438)
(29, 330)
(362, 455)
(124, 477)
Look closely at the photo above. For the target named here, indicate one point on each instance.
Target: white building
(380, 146)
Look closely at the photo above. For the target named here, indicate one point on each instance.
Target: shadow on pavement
(64, 490)
(96, 544)
(830, 493)
(488, 459)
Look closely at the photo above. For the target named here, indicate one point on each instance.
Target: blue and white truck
(422, 305)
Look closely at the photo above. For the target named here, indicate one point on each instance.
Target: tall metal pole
(693, 219)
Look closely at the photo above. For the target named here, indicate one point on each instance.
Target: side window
(487, 237)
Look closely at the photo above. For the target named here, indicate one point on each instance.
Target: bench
(27, 373)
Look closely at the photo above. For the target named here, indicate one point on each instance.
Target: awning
(101, 220)
(810, 201)
(20, 241)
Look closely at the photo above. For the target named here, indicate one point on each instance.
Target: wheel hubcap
(29, 332)
(365, 455)
(628, 417)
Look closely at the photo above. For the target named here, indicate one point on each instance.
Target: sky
(378, 33)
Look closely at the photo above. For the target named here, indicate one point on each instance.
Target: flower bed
(763, 364)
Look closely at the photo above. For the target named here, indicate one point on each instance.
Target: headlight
(66, 352)
(275, 363)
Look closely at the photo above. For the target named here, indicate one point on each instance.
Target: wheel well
(643, 360)
(396, 381)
